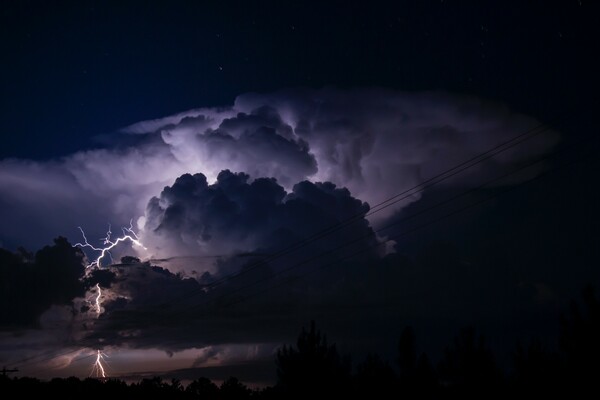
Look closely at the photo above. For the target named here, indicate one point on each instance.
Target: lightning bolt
(98, 302)
(108, 243)
(128, 234)
(97, 367)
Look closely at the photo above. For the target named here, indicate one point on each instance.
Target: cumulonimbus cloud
(257, 176)
(374, 142)
(235, 214)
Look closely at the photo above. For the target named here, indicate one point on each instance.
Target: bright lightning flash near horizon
(98, 368)
(128, 234)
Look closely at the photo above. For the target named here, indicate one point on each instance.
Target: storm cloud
(31, 284)
(373, 142)
(215, 195)
(237, 215)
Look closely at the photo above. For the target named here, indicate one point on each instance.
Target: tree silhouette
(468, 367)
(417, 377)
(374, 378)
(233, 389)
(580, 342)
(425, 381)
(314, 368)
(203, 388)
(407, 355)
(311, 368)
(537, 371)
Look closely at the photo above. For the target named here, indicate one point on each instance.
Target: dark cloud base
(32, 283)
(363, 303)
(258, 373)
(236, 214)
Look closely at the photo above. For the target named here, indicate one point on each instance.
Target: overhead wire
(378, 207)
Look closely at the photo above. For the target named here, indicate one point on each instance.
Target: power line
(52, 354)
(392, 238)
(447, 174)
(442, 176)
(424, 211)
(518, 139)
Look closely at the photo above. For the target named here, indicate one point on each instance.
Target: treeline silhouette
(313, 368)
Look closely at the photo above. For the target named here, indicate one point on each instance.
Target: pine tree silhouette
(311, 368)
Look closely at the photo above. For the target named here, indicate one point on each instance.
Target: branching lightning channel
(128, 234)
(98, 369)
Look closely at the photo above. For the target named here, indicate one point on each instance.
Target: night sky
(233, 136)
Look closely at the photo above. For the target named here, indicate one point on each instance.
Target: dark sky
(78, 69)
(319, 111)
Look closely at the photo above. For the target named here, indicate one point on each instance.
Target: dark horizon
(315, 366)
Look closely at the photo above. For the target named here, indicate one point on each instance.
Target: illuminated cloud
(374, 142)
